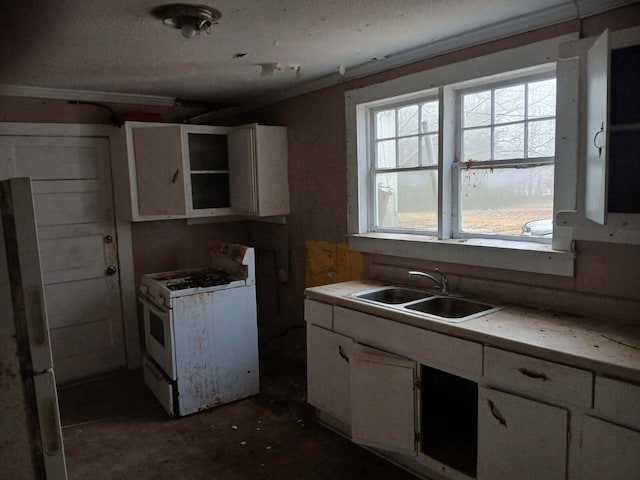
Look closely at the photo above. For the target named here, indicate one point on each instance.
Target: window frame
(372, 156)
(529, 75)
(556, 259)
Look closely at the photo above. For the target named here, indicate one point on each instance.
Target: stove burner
(200, 280)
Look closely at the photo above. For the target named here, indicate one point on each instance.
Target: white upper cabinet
(187, 171)
(610, 138)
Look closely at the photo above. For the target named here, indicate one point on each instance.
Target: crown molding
(586, 8)
(85, 95)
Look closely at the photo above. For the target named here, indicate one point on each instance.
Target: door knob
(111, 270)
(108, 239)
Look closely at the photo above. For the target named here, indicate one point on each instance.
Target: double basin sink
(441, 307)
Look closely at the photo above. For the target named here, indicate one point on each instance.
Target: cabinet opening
(624, 141)
(449, 419)
(208, 152)
(210, 190)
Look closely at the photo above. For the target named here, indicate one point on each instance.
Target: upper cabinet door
(597, 137)
(242, 170)
(159, 170)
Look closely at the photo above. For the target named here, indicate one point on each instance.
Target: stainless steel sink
(449, 307)
(445, 308)
(391, 295)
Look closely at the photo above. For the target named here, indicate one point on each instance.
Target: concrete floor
(113, 428)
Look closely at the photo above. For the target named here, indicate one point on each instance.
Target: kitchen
(310, 248)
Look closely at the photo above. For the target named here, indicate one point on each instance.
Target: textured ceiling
(118, 46)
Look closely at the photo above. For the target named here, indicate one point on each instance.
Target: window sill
(503, 254)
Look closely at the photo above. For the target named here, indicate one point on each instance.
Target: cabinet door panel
(383, 401)
(609, 452)
(520, 438)
(159, 170)
(242, 174)
(328, 372)
(597, 129)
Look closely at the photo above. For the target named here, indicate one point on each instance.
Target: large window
(501, 178)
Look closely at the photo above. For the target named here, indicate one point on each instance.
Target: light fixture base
(189, 19)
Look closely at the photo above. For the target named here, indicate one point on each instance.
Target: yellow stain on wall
(331, 263)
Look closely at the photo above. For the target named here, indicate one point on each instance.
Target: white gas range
(201, 332)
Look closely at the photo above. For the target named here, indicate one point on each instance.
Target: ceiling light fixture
(189, 19)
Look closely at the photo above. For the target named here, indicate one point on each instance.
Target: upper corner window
(494, 150)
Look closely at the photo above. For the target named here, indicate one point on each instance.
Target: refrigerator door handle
(51, 441)
(36, 318)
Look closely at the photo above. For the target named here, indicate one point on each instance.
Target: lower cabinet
(467, 411)
(383, 400)
(609, 451)
(520, 438)
(328, 377)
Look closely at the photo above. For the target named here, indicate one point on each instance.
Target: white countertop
(604, 347)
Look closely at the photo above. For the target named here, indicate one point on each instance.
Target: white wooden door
(383, 399)
(609, 451)
(520, 438)
(328, 372)
(73, 201)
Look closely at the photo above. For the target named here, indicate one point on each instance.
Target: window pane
(542, 98)
(542, 138)
(408, 152)
(509, 104)
(502, 200)
(408, 120)
(386, 124)
(476, 144)
(509, 141)
(407, 200)
(430, 149)
(476, 109)
(430, 114)
(386, 154)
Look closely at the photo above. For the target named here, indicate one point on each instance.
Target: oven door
(158, 335)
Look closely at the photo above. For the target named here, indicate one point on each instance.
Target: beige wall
(607, 277)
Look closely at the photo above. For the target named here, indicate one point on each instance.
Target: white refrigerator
(30, 435)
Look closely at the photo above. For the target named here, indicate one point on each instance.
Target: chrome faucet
(442, 284)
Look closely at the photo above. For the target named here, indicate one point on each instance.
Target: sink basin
(450, 307)
(391, 295)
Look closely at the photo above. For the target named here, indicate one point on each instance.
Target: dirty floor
(113, 428)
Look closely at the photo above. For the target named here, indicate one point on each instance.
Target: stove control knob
(111, 270)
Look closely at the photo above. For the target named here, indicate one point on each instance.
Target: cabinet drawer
(618, 400)
(539, 377)
(318, 313)
(437, 350)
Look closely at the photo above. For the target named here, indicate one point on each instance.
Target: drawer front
(318, 313)
(618, 400)
(447, 353)
(539, 377)
(159, 384)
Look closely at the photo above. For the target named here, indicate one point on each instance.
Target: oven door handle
(161, 311)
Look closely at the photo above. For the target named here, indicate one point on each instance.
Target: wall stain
(331, 263)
